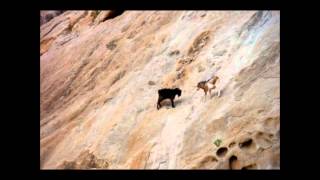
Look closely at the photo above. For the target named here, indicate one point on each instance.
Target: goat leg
(158, 104)
(172, 103)
(205, 95)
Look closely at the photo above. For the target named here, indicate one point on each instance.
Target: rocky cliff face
(100, 72)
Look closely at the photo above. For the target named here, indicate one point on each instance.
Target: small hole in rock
(245, 143)
(151, 83)
(232, 160)
(232, 144)
(112, 45)
(207, 162)
(270, 135)
(176, 52)
(222, 151)
(260, 133)
(260, 150)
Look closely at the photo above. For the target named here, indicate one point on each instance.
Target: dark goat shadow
(177, 102)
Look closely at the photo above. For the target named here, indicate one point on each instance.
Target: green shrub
(217, 142)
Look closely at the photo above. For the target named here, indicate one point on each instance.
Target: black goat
(168, 94)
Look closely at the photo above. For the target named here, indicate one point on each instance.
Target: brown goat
(208, 85)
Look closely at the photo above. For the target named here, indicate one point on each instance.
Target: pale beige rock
(99, 80)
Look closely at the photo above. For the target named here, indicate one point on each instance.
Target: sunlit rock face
(101, 71)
